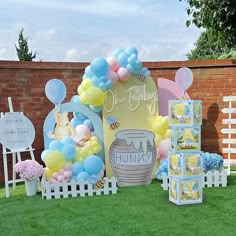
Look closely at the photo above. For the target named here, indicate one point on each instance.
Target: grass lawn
(140, 210)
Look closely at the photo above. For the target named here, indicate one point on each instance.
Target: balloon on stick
(184, 78)
(55, 91)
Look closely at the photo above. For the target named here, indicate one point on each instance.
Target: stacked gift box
(185, 162)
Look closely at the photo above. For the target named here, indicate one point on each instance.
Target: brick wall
(24, 82)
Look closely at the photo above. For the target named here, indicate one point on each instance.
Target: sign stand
(16, 154)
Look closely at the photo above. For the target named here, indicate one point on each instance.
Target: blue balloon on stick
(55, 91)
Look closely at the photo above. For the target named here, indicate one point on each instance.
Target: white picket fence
(76, 189)
(209, 179)
(229, 142)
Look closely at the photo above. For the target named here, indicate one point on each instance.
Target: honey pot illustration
(132, 156)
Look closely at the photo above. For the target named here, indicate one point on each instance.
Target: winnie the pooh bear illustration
(63, 127)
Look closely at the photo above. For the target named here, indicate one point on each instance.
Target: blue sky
(80, 30)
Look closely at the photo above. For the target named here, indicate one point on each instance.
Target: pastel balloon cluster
(128, 59)
(160, 126)
(96, 109)
(163, 168)
(92, 146)
(62, 174)
(91, 169)
(81, 119)
(65, 147)
(102, 73)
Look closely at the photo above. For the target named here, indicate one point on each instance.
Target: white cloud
(95, 7)
(71, 55)
(3, 53)
(79, 30)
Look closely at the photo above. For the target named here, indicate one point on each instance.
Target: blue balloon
(82, 176)
(145, 71)
(132, 59)
(99, 66)
(93, 179)
(73, 177)
(123, 59)
(76, 98)
(108, 85)
(79, 115)
(93, 164)
(76, 168)
(55, 91)
(44, 154)
(88, 72)
(56, 145)
(89, 124)
(116, 52)
(75, 121)
(69, 152)
(131, 50)
(67, 140)
(95, 108)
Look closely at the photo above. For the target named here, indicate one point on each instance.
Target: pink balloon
(123, 74)
(67, 166)
(82, 133)
(158, 154)
(112, 76)
(184, 78)
(164, 147)
(53, 181)
(61, 171)
(67, 174)
(60, 178)
(55, 175)
(113, 64)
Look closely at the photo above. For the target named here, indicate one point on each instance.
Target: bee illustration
(112, 122)
(141, 77)
(99, 184)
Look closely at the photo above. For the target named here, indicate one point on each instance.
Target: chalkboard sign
(16, 131)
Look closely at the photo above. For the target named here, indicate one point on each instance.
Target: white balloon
(184, 78)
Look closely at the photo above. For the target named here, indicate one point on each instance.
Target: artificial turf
(139, 210)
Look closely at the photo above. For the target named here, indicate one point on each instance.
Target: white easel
(15, 153)
(230, 131)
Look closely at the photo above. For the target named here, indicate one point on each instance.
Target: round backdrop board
(168, 90)
(16, 131)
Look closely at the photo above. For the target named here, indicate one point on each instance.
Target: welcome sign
(16, 131)
(130, 151)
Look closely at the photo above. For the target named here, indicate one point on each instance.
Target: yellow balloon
(167, 133)
(86, 84)
(83, 98)
(158, 139)
(55, 160)
(157, 127)
(47, 172)
(80, 90)
(95, 96)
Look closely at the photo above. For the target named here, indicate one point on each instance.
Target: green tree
(209, 45)
(22, 50)
(216, 15)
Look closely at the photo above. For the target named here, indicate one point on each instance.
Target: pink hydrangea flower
(29, 169)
